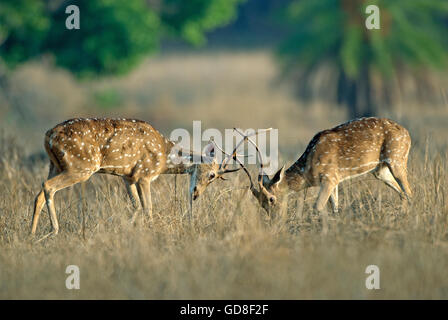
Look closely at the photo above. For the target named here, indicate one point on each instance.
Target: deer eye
(272, 199)
(211, 175)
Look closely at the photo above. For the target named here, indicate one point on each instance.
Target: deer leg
(325, 191)
(400, 176)
(40, 200)
(386, 176)
(82, 208)
(59, 182)
(38, 205)
(334, 200)
(144, 192)
(131, 188)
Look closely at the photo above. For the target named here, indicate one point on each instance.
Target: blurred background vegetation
(160, 59)
(297, 65)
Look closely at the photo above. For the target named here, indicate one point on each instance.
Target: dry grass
(231, 249)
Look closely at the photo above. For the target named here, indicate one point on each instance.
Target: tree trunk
(356, 94)
(4, 107)
(365, 100)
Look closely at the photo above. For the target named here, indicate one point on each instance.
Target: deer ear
(208, 154)
(178, 156)
(278, 177)
(266, 180)
(209, 150)
(255, 192)
(187, 160)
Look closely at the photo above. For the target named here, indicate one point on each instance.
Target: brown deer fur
(354, 148)
(131, 149)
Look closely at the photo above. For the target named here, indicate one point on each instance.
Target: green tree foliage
(192, 19)
(365, 64)
(114, 35)
(23, 28)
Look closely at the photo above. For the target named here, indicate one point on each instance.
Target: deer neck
(177, 169)
(294, 180)
(176, 166)
(173, 165)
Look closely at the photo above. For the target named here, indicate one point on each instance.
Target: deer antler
(260, 157)
(245, 137)
(242, 167)
(220, 149)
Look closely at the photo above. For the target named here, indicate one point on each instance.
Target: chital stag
(352, 149)
(202, 176)
(131, 149)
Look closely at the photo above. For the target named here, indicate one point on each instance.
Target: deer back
(116, 146)
(352, 148)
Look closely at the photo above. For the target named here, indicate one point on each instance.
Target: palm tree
(362, 68)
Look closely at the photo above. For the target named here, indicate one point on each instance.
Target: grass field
(230, 249)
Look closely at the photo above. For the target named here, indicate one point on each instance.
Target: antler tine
(233, 155)
(245, 137)
(220, 166)
(247, 172)
(237, 160)
(260, 157)
(228, 155)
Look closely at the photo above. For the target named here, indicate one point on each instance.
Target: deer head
(209, 170)
(271, 191)
(206, 173)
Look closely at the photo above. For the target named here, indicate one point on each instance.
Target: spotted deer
(129, 148)
(202, 176)
(352, 149)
